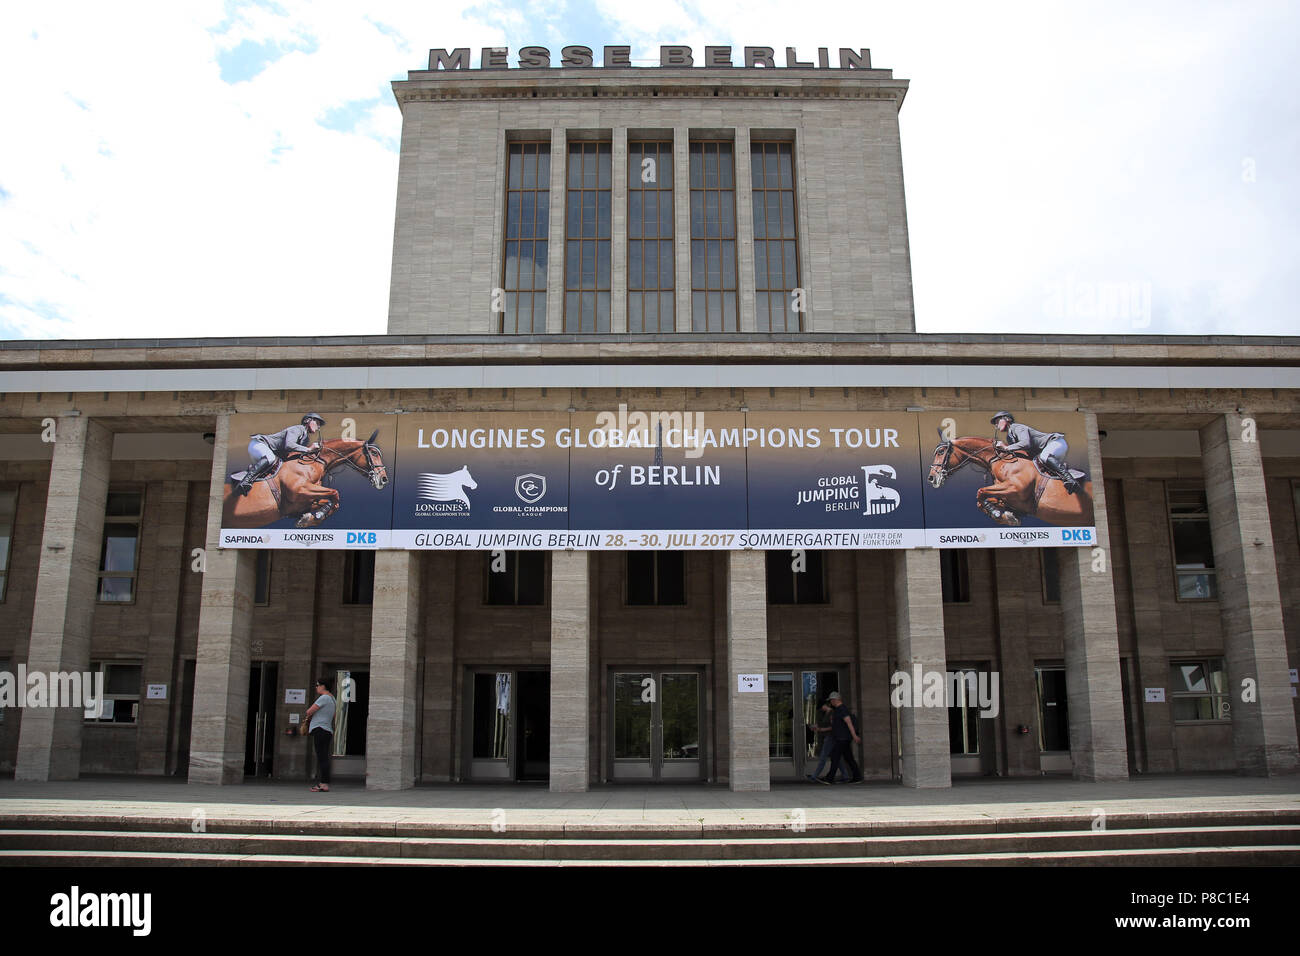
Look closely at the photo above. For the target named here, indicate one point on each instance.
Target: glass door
(259, 741)
(1053, 720)
(492, 701)
(794, 711)
(657, 728)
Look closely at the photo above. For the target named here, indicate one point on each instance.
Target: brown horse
(296, 489)
(1017, 487)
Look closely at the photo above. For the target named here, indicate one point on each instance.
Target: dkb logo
(361, 537)
(1076, 534)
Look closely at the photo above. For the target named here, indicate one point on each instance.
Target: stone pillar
(1016, 576)
(555, 248)
(744, 233)
(918, 623)
(49, 739)
(1097, 746)
(747, 738)
(217, 735)
(1250, 605)
(170, 563)
(618, 232)
(570, 663)
(682, 224)
(394, 649)
(440, 683)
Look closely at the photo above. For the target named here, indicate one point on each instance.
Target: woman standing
(321, 715)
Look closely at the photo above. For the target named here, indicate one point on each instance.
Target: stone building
(709, 240)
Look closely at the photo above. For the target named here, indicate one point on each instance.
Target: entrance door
(1053, 721)
(259, 746)
(510, 725)
(794, 746)
(657, 728)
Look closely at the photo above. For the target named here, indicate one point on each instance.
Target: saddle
(1075, 473)
(235, 477)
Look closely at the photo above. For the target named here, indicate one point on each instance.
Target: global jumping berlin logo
(846, 493)
(84, 690)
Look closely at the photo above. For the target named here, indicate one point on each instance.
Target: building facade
(695, 240)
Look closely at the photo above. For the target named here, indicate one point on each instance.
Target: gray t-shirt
(324, 717)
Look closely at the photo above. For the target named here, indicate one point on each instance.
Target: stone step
(806, 845)
(480, 828)
(1179, 857)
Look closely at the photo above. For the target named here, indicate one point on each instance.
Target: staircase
(1263, 837)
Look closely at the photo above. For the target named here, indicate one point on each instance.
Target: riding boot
(1062, 471)
(246, 483)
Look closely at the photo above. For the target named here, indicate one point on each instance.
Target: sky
(230, 168)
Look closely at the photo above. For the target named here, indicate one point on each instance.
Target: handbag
(302, 729)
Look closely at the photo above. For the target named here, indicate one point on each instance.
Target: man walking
(845, 735)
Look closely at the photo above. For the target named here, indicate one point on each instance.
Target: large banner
(676, 480)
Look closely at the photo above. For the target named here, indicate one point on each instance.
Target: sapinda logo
(1076, 534)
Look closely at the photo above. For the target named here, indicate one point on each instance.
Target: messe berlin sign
(678, 480)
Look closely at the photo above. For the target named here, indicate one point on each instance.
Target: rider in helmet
(265, 450)
(1049, 448)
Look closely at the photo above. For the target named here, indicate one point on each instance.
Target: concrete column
(1250, 605)
(618, 234)
(747, 738)
(217, 738)
(169, 564)
(570, 663)
(873, 654)
(49, 740)
(918, 631)
(394, 649)
(682, 224)
(555, 242)
(1097, 746)
(744, 233)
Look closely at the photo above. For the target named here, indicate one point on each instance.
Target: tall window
(8, 505)
(121, 702)
(1051, 561)
(1199, 690)
(1189, 526)
(587, 251)
(776, 268)
(650, 299)
(954, 574)
(359, 577)
(656, 577)
(528, 208)
(117, 555)
(788, 585)
(262, 587)
(516, 577)
(713, 238)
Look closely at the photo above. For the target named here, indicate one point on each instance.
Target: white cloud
(143, 195)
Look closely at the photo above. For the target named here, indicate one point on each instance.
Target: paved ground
(632, 807)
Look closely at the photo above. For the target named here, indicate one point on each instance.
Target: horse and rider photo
(1022, 475)
(293, 471)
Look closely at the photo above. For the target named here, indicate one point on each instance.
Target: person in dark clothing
(845, 736)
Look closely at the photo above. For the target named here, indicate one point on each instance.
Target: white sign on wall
(293, 718)
(749, 683)
(1155, 695)
(156, 692)
(292, 696)
(1295, 677)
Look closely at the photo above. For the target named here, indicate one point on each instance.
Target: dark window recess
(1051, 575)
(359, 577)
(522, 582)
(262, 588)
(656, 577)
(788, 586)
(1189, 523)
(954, 569)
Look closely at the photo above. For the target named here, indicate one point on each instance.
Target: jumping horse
(1017, 486)
(297, 487)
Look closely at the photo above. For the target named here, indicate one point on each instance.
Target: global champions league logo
(848, 493)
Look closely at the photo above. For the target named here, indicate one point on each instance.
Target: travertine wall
(853, 242)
